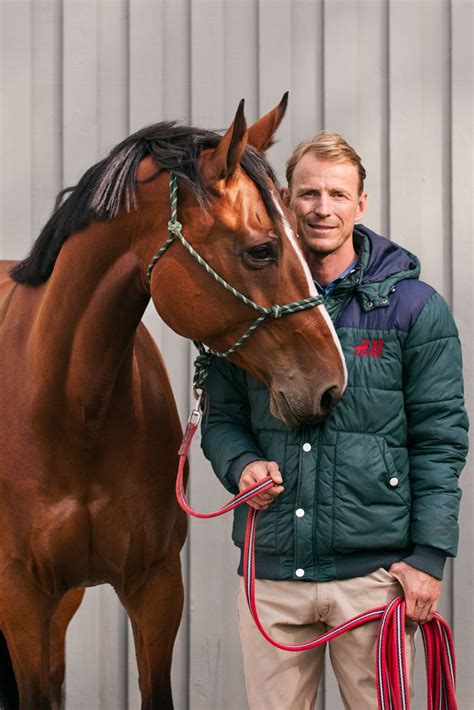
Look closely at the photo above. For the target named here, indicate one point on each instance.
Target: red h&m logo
(366, 348)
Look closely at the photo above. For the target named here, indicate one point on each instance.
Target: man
(365, 505)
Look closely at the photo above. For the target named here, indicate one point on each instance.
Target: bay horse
(90, 430)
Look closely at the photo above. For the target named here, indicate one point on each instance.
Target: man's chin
(318, 245)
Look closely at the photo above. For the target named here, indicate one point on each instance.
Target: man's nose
(322, 206)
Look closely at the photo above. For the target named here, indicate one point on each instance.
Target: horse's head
(245, 236)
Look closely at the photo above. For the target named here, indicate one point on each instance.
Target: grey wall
(394, 76)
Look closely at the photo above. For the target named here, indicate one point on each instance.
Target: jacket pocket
(371, 497)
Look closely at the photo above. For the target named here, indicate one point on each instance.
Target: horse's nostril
(329, 399)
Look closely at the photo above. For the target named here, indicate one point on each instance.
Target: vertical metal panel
(419, 122)
(176, 52)
(80, 87)
(207, 38)
(46, 153)
(112, 74)
(462, 73)
(16, 127)
(307, 71)
(241, 58)
(275, 69)
(146, 62)
(95, 670)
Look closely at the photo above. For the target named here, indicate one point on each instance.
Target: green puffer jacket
(378, 481)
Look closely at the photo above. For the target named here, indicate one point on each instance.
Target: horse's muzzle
(294, 410)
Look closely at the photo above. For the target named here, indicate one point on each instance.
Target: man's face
(325, 199)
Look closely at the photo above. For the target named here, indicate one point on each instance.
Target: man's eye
(264, 252)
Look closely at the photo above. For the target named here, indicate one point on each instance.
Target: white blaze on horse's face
(313, 291)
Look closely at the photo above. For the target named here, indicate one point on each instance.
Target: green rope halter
(205, 357)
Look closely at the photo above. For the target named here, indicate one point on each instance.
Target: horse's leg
(155, 612)
(25, 612)
(59, 623)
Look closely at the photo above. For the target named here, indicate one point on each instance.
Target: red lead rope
(392, 684)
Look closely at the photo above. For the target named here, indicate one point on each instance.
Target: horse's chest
(101, 535)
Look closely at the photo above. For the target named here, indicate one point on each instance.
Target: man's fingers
(421, 590)
(274, 492)
(257, 471)
(263, 500)
(420, 609)
(274, 471)
(420, 615)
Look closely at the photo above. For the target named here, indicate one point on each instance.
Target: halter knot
(175, 227)
(276, 312)
(201, 366)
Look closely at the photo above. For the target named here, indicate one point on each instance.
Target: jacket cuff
(238, 465)
(427, 559)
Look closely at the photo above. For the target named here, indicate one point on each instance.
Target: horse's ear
(261, 133)
(226, 157)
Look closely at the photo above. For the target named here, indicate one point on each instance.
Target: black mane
(108, 187)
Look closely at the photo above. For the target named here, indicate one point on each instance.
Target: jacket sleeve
(437, 433)
(227, 438)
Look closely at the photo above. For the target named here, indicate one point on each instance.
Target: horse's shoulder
(146, 348)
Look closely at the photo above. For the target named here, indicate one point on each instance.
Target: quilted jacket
(377, 482)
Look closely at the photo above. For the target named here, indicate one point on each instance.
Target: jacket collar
(381, 265)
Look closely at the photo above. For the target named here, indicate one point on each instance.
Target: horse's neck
(85, 326)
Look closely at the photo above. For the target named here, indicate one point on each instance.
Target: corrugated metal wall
(394, 76)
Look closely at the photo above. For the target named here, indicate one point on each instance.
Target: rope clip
(196, 414)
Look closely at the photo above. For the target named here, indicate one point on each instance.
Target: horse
(90, 429)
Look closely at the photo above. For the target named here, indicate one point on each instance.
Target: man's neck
(327, 267)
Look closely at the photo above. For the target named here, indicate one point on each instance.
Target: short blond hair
(326, 146)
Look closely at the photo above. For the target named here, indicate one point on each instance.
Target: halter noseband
(205, 357)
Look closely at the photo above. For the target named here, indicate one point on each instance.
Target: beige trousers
(293, 612)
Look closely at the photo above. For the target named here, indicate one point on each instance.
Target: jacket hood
(382, 264)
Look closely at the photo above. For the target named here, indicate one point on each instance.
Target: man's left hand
(421, 590)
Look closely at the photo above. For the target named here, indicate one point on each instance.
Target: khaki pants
(293, 612)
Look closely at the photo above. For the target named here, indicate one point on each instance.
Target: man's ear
(285, 196)
(361, 207)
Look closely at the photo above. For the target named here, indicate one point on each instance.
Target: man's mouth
(321, 227)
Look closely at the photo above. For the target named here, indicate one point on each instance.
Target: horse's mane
(108, 187)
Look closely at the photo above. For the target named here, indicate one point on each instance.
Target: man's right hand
(256, 471)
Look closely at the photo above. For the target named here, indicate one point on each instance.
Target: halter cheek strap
(175, 231)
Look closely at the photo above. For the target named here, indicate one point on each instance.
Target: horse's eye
(262, 253)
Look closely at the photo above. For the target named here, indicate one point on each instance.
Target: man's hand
(254, 472)
(421, 590)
